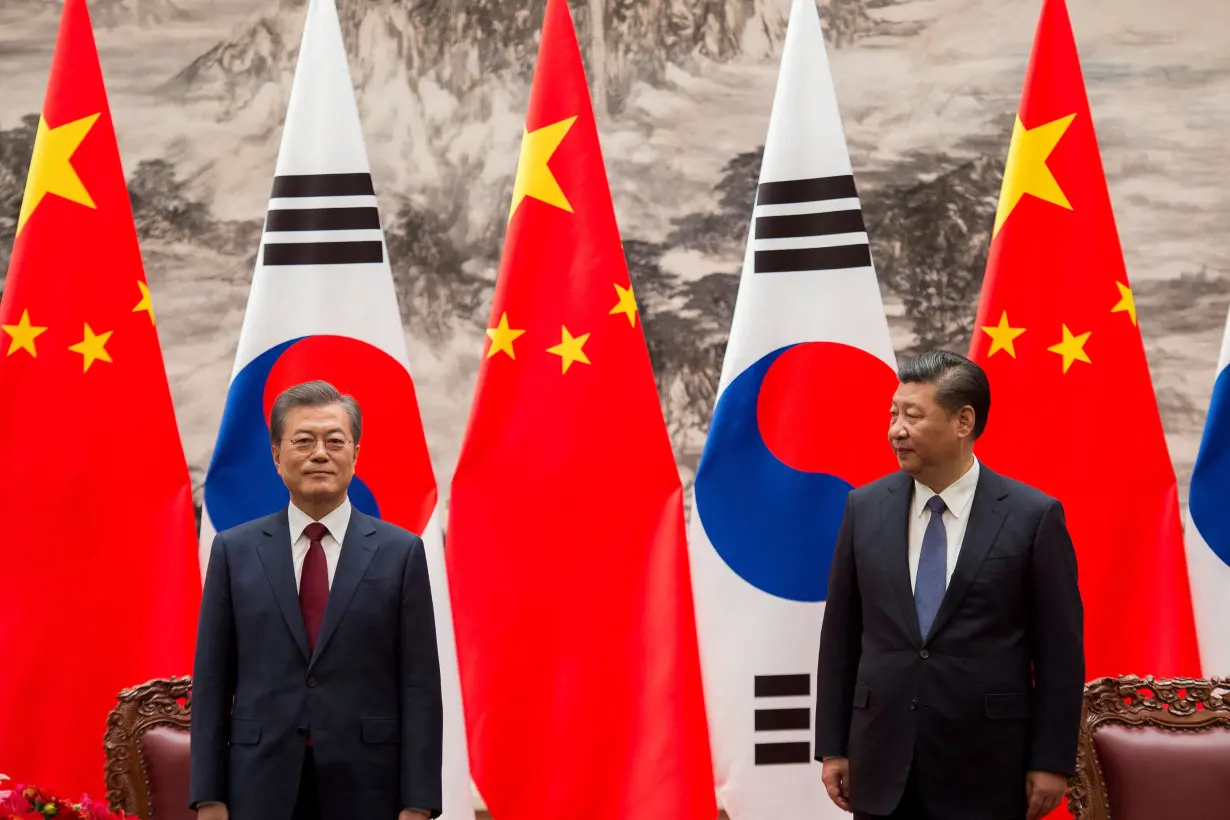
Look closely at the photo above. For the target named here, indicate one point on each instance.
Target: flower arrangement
(32, 803)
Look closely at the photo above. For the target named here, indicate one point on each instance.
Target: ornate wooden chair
(147, 750)
(1153, 749)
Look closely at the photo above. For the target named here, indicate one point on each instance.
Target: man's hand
(213, 811)
(1044, 791)
(836, 778)
(413, 814)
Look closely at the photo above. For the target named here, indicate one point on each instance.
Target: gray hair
(312, 394)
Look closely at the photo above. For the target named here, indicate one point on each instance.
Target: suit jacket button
(914, 703)
(924, 654)
(301, 731)
(311, 682)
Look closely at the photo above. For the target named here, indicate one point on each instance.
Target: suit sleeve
(840, 647)
(422, 721)
(213, 684)
(1057, 646)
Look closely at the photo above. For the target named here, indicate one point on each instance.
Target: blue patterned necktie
(931, 581)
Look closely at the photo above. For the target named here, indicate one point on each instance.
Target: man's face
(317, 453)
(921, 432)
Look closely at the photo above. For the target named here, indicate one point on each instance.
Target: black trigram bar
(795, 225)
(806, 190)
(782, 686)
(303, 185)
(780, 720)
(323, 253)
(836, 257)
(323, 219)
(779, 754)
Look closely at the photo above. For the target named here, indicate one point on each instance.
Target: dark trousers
(910, 807)
(307, 804)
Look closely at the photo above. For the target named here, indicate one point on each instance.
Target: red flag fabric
(98, 560)
(1073, 410)
(565, 544)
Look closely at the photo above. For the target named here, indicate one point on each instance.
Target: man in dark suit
(316, 688)
(951, 664)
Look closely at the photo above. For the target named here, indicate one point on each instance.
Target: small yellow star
(1072, 348)
(1026, 171)
(23, 334)
(1002, 336)
(626, 305)
(92, 347)
(146, 303)
(569, 349)
(1126, 302)
(502, 337)
(51, 167)
(534, 178)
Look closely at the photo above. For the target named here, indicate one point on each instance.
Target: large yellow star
(534, 178)
(23, 334)
(1126, 302)
(569, 349)
(92, 347)
(626, 305)
(1072, 348)
(51, 167)
(502, 337)
(146, 303)
(1002, 336)
(1026, 171)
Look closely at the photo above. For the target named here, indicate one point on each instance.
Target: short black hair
(312, 394)
(957, 380)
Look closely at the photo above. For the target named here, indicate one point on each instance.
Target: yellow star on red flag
(1126, 303)
(23, 335)
(626, 304)
(93, 347)
(570, 349)
(1026, 171)
(146, 303)
(502, 337)
(51, 167)
(1002, 336)
(534, 177)
(1071, 348)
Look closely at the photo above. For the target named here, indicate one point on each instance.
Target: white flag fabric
(323, 306)
(1208, 526)
(801, 417)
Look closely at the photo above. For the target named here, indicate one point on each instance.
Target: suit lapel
(275, 556)
(357, 550)
(895, 542)
(986, 518)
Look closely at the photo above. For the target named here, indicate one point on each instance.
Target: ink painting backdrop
(928, 90)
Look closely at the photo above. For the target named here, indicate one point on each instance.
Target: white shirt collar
(957, 496)
(336, 522)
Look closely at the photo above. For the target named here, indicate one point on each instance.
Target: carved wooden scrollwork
(1174, 704)
(162, 702)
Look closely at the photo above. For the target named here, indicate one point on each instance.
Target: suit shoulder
(392, 533)
(249, 529)
(893, 482)
(1027, 497)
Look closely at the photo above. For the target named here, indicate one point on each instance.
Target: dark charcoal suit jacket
(995, 691)
(370, 693)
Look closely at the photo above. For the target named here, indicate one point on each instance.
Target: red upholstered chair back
(147, 750)
(1152, 749)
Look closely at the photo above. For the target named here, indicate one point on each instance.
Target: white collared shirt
(336, 522)
(958, 498)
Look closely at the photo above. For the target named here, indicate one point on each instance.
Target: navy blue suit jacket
(370, 693)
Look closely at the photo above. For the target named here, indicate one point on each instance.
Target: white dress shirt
(958, 498)
(336, 522)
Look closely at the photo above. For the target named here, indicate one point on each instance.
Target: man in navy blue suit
(316, 687)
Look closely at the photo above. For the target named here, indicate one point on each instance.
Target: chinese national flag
(565, 546)
(98, 559)
(1073, 408)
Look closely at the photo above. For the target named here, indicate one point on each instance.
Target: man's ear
(965, 421)
(277, 457)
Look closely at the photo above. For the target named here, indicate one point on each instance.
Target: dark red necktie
(314, 583)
